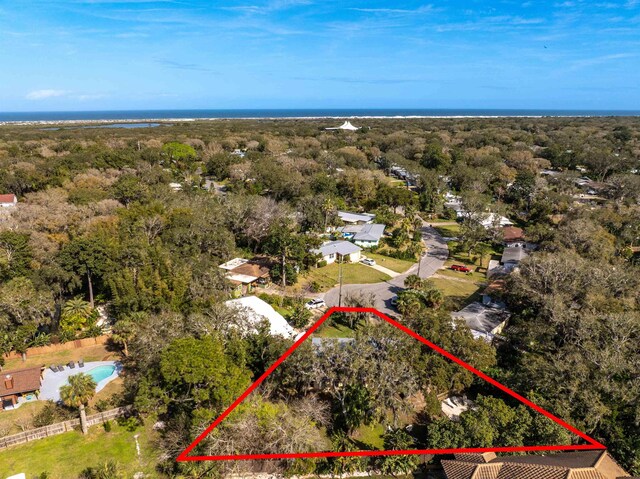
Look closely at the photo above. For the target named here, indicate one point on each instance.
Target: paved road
(437, 253)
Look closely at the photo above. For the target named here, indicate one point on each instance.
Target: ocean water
(66, 116)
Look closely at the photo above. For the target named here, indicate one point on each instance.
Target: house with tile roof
(19, 386)
(566, 465)
(8, 201)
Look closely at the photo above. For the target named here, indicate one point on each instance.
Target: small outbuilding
(19, 386)
(8, 201)
(345, 126)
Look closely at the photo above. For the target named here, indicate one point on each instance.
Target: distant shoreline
(308, 114)
(81, 121)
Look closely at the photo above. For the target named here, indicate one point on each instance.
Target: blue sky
(146, 54)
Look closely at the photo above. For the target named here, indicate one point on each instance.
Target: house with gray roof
(511, 257)
(366, 235)
(333, 251)
(484, 321)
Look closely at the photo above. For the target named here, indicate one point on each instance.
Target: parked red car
(459, 267)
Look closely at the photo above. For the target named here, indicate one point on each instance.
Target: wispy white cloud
(593, 61)
(397, 11)
(50, 93)
(45, 94)
(183, 66)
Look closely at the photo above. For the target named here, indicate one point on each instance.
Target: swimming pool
(101, 372)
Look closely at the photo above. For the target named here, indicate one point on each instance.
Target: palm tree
(77, 306)
(123, 332)
(77, 393)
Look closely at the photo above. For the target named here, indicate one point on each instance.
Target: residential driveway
(437, 254)
(382, 269)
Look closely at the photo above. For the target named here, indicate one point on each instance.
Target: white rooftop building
(356, 218)
(258, 310)
(345, 126)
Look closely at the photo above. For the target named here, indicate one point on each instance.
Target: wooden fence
(51, 348)
(60, 427)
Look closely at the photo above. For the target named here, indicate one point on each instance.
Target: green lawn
(66, 455)
(352, 273)
(460, 293)
(96, 352)
(397, 265)
(9, 420)
(334, 330)
(448, 231)
(370, 435)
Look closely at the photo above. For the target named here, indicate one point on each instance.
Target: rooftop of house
(338, 247)
(20, 381)
(513, 254)
(345, 126)
(259, 267)
(512, 233)
(496, 286)
(567, 465)
(349, 217)
(8, 198)
(258, 310)
(234, 263)
(366, 232)
(243, 270)
(481, 318)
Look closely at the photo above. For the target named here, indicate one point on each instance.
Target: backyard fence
(51, 348)
(60, 427)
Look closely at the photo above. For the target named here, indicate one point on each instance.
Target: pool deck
(50, 388)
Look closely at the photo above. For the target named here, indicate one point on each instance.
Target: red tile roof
(24, 380)
(10, 198)
(513, 233)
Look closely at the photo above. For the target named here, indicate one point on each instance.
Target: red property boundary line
(592, 443)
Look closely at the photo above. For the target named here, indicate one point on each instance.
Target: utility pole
(340, 291)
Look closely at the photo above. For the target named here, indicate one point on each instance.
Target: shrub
(322, 263)
(107, 426)
(103, 405)
(130, 423)
(52, 413)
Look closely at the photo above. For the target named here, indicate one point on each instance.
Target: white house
(8, 201)
(367, 235)
(356, 218)
(332, 251)
(258, 310)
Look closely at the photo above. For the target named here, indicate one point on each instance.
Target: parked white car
(315, 304)
(368, 261)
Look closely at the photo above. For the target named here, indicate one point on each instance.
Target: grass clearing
(370, 435)
(448, 231)
(97, 352)
(331, 329)
(460, 293)
(394, 264)
(352, 273)
(9, 420)
(67, 455)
